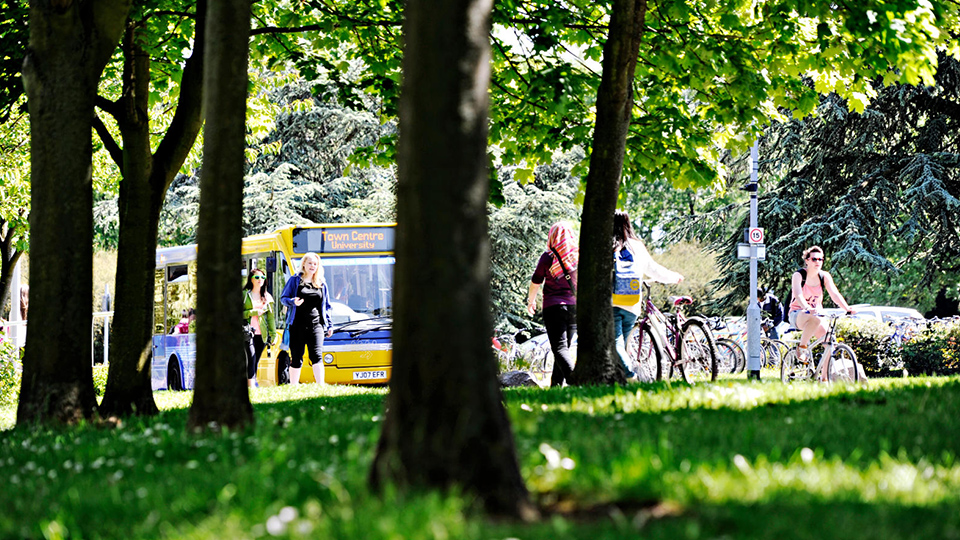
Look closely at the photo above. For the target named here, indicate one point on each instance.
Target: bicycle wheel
(793, 370)
(842, 366)
(729, 356)
(770, 353)
(645, 352)
(698, 353)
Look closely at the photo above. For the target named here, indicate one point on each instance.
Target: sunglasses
(261, 278)
(816, 259)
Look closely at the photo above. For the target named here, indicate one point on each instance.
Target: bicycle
(838, 362)
(732, 343)
(671, 346)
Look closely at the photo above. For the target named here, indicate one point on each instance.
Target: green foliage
(518, 234)
(698, 268)
(869, 339)
(11, 367)
(13, 48)
(100, 378)
(878, 190)
(300, 170)
(718, 460)
(935, 352)
(15, 181)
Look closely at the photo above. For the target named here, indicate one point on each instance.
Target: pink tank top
(812, 292)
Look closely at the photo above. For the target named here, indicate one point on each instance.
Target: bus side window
(181, 296)
(159, 287)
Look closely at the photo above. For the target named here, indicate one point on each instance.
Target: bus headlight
(328, 358)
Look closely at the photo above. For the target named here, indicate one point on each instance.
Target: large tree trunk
(142, 191)
(70, 43)
(596, 356)
(220, 394)
(445, 424)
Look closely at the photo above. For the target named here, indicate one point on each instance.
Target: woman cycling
(808, 285)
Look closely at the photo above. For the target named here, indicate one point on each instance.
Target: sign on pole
(755, 235)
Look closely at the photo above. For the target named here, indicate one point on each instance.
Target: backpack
(789, 295)
(627, 278)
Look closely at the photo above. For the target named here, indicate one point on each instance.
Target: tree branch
(116, 153)
(110, 107)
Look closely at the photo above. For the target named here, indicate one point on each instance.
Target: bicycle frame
(669, 336)
(829, 343)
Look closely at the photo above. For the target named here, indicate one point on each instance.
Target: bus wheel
(174, 377)
(283, 368)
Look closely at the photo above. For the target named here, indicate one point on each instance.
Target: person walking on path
(628, 248)
(258, 313)
(308, 316)
(556, 274)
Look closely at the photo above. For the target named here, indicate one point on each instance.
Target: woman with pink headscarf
(556, 273)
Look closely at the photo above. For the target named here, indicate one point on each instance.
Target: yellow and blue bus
(358, 262)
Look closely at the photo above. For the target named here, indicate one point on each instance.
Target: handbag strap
(564, 268)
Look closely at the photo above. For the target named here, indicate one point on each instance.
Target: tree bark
(445, 424)
(596, 357)
(70, 43)
(146, 179)
(220, 394)
(9, 256)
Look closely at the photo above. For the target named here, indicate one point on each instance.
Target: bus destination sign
(323, 240)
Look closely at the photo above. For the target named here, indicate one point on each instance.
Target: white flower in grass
(806, 455)
(275, 526)
(741, 463)
(554, 459)
(287, 514)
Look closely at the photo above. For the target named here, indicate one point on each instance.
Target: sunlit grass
(729, 459)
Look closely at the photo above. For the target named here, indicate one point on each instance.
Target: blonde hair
(318, 278)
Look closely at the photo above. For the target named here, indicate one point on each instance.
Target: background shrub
(10, 368)
(869, 339)
(936, 351)
(100, 378)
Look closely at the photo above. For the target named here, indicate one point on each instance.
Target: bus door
(174, 341)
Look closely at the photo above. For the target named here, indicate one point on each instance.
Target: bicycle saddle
(680, 300)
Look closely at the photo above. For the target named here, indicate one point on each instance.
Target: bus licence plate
(367, 375)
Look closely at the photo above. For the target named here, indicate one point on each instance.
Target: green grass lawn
(726, 460)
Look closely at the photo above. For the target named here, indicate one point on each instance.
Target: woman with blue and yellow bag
(631, 262)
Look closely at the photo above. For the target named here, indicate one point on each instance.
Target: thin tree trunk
(445, 424)
(70, 43)
(596, 356)
(221, 394)
(9, 257)
(145, 182)
(128, 382)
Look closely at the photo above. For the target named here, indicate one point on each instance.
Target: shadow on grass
(742, 460)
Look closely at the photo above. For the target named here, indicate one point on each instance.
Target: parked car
(881, 313)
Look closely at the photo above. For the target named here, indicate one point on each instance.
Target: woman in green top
(257, 312)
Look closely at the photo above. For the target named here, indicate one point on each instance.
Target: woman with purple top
(556, 273)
